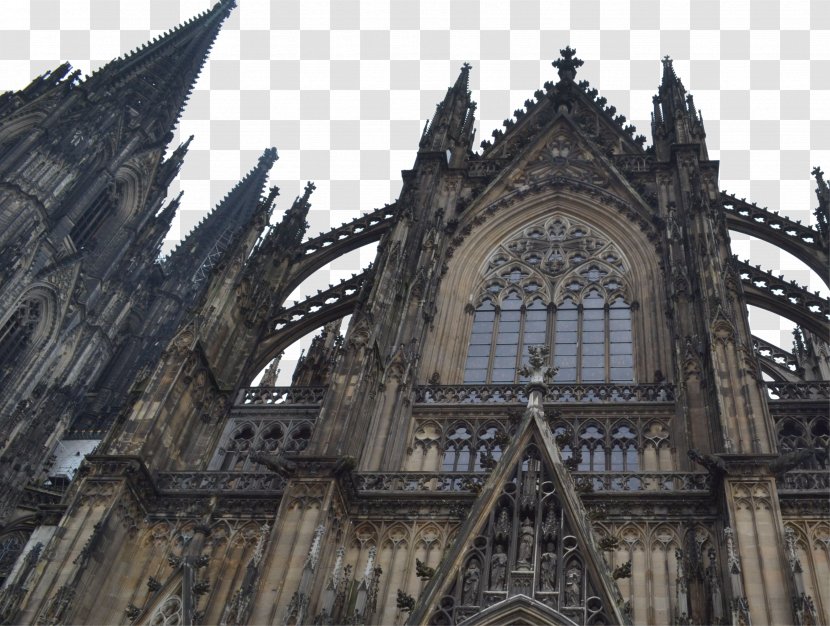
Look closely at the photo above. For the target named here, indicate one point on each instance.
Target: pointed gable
(526, 537)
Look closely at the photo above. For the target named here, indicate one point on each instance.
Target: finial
(567, 64)
(668, 68)
(269, 156)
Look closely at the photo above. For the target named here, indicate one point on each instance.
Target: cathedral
(546, 405)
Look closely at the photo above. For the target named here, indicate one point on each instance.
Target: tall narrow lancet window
(478, 355)
(557, 283)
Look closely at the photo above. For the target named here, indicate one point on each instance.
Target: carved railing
(280, 395)
(809, 480)
(816, 390)
(517, 394)
(633, 162)
(637, 481)
(416, 481)
(202, 483)
(466, 482)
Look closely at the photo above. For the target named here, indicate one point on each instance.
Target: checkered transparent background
(342, 88)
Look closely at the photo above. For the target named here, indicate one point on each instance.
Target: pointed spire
(675, 119)
(452, 125)
(169, 168)
(210, 238)
(291, 229)
(823, 209)
(154, 81)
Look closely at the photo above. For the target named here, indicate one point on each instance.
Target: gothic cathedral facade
(547, 406)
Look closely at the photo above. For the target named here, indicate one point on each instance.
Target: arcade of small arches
(602, 444)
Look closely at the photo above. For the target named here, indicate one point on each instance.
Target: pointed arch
(29, 326)
(555, 282)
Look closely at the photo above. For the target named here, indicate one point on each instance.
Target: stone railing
(280, 395)
(804, 480)
(637, 481)
(226, 483)
(517, 394)
(465, 482)
(817, 390)
(414, 481)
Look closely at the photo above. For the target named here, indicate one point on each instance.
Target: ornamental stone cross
(537, 370)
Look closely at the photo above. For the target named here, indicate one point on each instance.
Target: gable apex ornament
(568, 63)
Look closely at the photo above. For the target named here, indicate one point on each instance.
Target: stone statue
(471, 581)
(503, 526)
(548, 568)
(573, 585)
(526, 543)
(498, 568)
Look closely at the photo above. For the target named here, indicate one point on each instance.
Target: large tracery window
(557, 284)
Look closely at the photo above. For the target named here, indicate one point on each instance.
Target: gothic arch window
(19, 332)
(556, 283)
(11, 545)
(458, 452)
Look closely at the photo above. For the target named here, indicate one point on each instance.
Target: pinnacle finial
(568, 63)
(668, 69)
(268, 158)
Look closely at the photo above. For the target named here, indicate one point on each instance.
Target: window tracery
(559, 284)
(19, 332)
(169, 613)
(243, 438)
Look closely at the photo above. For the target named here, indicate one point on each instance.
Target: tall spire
(675, 120)
(154, 81)
(205, 243)
(452, 125)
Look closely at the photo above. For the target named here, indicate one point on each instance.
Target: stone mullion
(495, 334)
(520, 345)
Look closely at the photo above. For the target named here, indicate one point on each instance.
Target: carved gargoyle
(622, 571)
(790, 461)
(713, 464)
(405, 602)
(275, 462)
(423, 571)
(343, 464)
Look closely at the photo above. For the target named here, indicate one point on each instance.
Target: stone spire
(675, 119)
(452, 125)
(154, 82)
(202, 247)
(291, 229)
